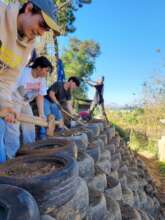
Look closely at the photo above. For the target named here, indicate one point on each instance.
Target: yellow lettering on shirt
(9, 58)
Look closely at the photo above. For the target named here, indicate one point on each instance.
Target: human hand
(43, 116)
(58, 104)
(10, 115)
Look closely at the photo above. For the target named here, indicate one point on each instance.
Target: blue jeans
(50, 109)
(2, 145)
(12, 133)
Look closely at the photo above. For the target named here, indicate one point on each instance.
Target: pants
(12, 133)
(50, 109)
(101, 108)
(2, 145)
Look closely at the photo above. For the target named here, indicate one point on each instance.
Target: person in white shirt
(31, 84)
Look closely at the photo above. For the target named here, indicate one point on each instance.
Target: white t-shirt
(30, 87)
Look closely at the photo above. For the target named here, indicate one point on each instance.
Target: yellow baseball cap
(49, 13)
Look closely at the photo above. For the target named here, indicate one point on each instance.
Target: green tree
(79, 59)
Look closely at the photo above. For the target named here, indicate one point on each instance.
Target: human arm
(89, 82)
(52, 96)
(40, 105)
(70, 108)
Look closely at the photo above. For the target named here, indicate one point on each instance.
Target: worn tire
(113, 189)
(115, 164)
(86, 166)
(78, 205)
(104, 138)
(50, 190)
(50, 146)
(98, 183)
(127, 196)
(47, 217)
(142, 197)
(111, 148)
(110, 133)
(143, 214)
(100, 142)
(81, 141)
(103, 166)
(94, 151)
(129, 213)
(106, 155)
(132, 182)
(113, 207)
(95, 128)
(17, 204)
(97, 207)
(114, 174)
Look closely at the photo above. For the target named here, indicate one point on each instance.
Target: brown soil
(153, 167)
(30, 170)
(71, 132)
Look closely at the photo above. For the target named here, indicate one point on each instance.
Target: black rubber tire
(81, 141)
(95, 128)
(86, 166)
(129, 213)
(50, 190)
(77, 205)
(50, 146)
(94, 151)
(17, 204)
(113, 189)
(97, 206)
(104, 138)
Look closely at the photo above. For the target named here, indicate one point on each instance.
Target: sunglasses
(43, 25)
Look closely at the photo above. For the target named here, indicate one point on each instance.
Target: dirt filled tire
(17, 204)
(94, 151)
(113, 207)
(110, 134)
(98, 183)
(129, 213)
(95, 128)
(81, 141)
(113, 189)
(97, 207)
(78, 205)
(104, 138)
(86, 166)
(128, 197)
(50, 146)
(50, 189)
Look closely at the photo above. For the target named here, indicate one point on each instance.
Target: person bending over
(30, 85)
(59, 95)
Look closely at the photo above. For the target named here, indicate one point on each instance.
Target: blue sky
(129, 32)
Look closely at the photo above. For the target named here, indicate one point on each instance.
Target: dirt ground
(154, 170)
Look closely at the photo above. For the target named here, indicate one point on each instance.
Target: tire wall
(113, 183)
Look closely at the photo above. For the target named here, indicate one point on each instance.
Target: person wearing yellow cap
(20, 25)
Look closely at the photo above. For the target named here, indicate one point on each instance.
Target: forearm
(52, 96)
(40, 105)
(91, 83)
(70, 108)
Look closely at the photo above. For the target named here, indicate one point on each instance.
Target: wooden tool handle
(30, 119)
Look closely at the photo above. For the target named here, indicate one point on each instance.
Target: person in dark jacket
(98, 97)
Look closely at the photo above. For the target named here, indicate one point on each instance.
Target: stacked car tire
(88, 173)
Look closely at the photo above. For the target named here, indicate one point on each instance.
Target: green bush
(137, 141)
(162, 168)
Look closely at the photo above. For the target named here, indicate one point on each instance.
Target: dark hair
(41, 62)
(35, 10)
(75, 80)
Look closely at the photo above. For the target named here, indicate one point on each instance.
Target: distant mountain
(115, 106)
